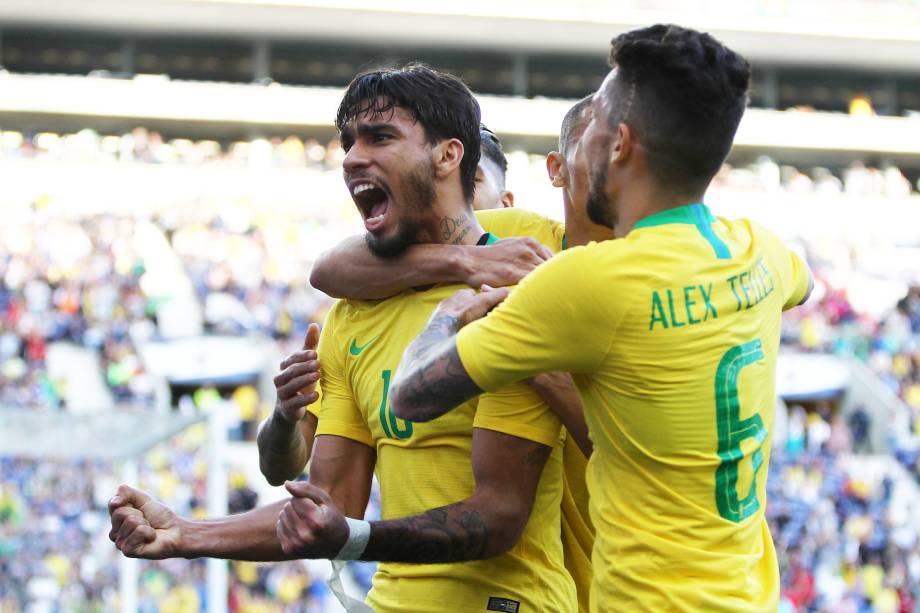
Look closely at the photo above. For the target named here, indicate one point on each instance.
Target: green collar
(688, 213)
(695, 214)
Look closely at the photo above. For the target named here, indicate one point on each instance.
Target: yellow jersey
(421, 466)
(672, 334)
(577, 530)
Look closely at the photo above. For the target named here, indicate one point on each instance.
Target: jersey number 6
(733, 430)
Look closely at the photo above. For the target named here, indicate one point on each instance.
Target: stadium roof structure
(109, 435)
(820, 32)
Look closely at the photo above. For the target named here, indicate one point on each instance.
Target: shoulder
(513, 222)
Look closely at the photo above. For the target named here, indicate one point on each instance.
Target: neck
(644, 200)
(579, 230)
(451, 223)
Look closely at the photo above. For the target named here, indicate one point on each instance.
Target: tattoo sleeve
(431, 379)
(448, 534)
(507, 471)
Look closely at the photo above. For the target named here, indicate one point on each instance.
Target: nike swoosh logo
(356, 349)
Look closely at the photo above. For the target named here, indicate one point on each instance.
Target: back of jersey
(687, 388)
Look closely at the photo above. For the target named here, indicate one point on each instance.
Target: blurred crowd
(857, 179)
(149, 146)
(843, 547)
(55, 554)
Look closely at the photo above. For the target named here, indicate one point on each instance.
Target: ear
(507, 199)
(623, 146)
(555, 168)
(447, 156)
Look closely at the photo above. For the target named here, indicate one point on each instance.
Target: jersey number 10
(389, 422)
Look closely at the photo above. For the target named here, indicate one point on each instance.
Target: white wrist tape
(359, 533)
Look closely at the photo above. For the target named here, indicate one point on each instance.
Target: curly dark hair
(441, 102)
(683, 94)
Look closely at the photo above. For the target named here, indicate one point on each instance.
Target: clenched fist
(310, 525)
(143, 527)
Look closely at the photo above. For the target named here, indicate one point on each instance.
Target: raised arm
(286, 437)
(507, 471)
(350, 270)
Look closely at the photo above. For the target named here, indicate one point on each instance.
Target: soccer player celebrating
(671, 332)
(365, 275)
(457, 489)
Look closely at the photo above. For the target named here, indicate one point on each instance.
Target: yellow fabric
(577, 531)
(647, 320)
(427, 465)
(506, 223)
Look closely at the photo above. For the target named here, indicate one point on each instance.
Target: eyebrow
(367, 128)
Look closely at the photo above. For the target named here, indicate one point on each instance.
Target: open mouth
(373, 202)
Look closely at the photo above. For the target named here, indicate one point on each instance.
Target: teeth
(362, 188)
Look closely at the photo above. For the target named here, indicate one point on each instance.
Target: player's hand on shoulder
(505, 262)
(467, 305)
(310, 525)
(143, 527)
(296, 383)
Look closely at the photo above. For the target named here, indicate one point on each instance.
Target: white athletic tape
(359, 533)
(351, 605)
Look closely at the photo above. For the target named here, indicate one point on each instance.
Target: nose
(355, 159)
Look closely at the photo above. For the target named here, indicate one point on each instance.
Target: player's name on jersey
(694, 304)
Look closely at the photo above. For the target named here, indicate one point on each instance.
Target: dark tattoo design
(451, 225)
(447, 534)
(436, 380)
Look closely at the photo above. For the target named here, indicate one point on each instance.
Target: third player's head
(490, 175)
(412, 140)
(567, 166)
(663, 119)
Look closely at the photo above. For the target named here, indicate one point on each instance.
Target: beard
(599, 205)
(420, 197)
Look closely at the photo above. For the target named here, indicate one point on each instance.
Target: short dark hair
(492, 151)
(441, 102)
(683, 93)
(570, 122)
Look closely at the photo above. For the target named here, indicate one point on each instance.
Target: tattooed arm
(507, 471)
(431, 379)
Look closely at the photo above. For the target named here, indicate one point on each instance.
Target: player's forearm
(559, 393)
(283, 452)
(350, 270)
(249, 536)
(431, 379)
(473, 529)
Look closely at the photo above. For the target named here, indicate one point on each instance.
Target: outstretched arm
(145, 528)
(350, 270)
(507, 471)
(431, 379)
